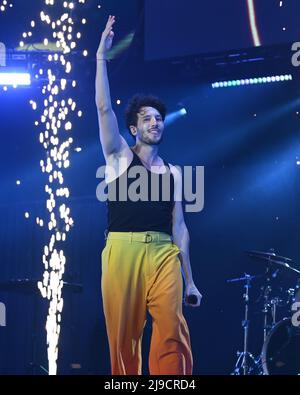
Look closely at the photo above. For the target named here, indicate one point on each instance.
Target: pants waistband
(143, 237)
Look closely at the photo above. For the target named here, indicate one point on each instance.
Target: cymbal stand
(269, 305)
(265, 310)
(242, 366)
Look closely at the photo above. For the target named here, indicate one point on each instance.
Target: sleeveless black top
(143, 214)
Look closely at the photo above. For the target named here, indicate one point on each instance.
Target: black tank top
(141, 216)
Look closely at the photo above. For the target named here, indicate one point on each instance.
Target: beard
(151, 139)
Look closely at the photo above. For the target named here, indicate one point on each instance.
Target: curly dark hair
(137, 102)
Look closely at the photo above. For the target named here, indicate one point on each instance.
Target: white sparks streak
(55, 123)
(253, 26)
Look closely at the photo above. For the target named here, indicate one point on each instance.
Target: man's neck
(148, 153)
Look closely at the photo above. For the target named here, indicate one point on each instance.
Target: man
(140, 266)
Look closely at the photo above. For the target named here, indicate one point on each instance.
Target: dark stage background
(177, 28)
(246, 137)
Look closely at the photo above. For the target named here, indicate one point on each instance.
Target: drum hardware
(296, 294)
(246, 363)
(274, 264)
(270, 304)
(281, 340)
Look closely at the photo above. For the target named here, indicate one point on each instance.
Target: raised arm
(111, 140)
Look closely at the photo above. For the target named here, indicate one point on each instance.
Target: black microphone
(192, 299)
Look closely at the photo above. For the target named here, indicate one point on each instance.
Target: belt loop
(130, 237)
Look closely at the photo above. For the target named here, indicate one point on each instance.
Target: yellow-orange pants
(140, 271)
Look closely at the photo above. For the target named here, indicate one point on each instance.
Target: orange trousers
(140, 271)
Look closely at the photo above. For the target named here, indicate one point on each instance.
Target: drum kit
(280, 351)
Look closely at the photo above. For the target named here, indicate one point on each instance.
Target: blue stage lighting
(15, 79)
(251, 81)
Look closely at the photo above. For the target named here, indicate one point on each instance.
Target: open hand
(106, 38)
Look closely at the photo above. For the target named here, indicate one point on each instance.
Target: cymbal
(267, 255)
(272, 258)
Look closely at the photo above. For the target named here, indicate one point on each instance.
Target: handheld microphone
(192, 299)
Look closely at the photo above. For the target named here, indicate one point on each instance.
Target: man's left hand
(191, 290)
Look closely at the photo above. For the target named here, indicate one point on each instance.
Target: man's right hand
(106, 38)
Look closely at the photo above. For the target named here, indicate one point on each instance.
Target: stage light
(252, 81)
(175, 115)
(15, 79)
